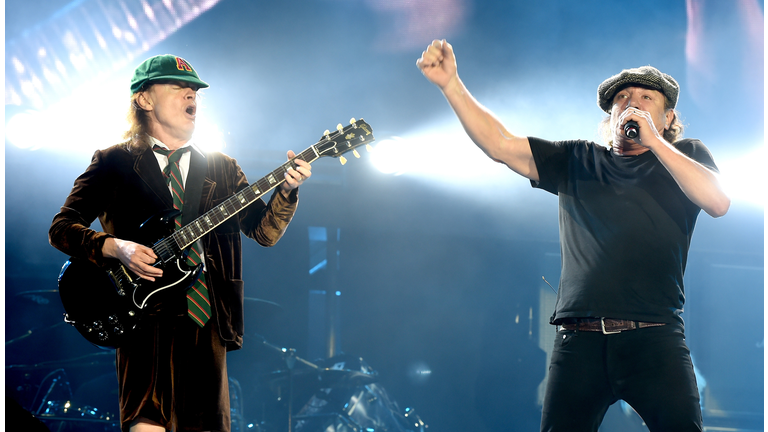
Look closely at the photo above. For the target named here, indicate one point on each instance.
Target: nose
(631, 103)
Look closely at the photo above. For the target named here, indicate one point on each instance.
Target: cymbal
(322, 378)
(258, 300)
(92, 359)
(40, 297)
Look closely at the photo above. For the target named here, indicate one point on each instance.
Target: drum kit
(344, 395)
(338, 394)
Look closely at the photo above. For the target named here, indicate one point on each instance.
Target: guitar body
(105, 304)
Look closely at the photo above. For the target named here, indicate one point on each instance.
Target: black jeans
(649, 368)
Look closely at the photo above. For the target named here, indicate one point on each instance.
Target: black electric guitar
(105, 303)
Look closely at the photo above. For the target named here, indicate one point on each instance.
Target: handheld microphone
(631, 129)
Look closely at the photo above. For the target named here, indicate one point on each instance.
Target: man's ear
(144, 101)
(669, 117)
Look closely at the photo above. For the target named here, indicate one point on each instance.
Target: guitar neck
(190, 233)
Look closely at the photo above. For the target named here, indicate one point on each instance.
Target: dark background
(439, 269)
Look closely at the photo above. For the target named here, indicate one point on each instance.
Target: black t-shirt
(625, 229)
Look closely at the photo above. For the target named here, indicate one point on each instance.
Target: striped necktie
(198, 303)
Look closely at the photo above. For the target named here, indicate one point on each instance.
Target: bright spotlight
(743, 178)
(207, 135)
(60, 126)
(22, 130)
(389, 156)
(441, 153)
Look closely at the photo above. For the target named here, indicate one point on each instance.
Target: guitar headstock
(345, 139)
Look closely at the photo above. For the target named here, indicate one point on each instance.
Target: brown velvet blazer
(124, 187)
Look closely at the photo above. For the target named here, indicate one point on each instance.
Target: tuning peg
(357, 155)
(343, 160)
(326, 133)
(352, 120)
(339, 127)
(368, 147)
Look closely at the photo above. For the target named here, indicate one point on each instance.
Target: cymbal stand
(58, 378)
(290, 358)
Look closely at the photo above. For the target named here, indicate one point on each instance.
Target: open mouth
(191, 110)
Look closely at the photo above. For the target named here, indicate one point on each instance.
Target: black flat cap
(644, 76)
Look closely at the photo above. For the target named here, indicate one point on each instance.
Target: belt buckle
(605, 332)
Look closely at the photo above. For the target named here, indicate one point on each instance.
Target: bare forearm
(488, 132)
(479, 123)
(700, 184)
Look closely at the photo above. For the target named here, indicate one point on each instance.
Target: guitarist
(172, 373)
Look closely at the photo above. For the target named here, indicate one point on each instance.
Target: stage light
(22, 130)
(93, 117)
(419, 372)
(207, 135)
(442, 154)
(390, 156)
(743, 178)
(66, 127)
(86, 41)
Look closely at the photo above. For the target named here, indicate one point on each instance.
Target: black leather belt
(606, 325)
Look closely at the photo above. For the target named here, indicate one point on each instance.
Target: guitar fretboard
(214, 217)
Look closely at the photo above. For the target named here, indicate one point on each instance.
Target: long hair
(673, 133)
(138, 120)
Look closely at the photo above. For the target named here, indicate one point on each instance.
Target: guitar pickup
(120, 278)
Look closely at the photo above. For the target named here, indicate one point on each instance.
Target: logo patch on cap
(182, 64)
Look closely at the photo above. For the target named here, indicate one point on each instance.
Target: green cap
(644, 76)
(164, 67)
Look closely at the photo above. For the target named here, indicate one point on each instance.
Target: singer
(627, 212)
